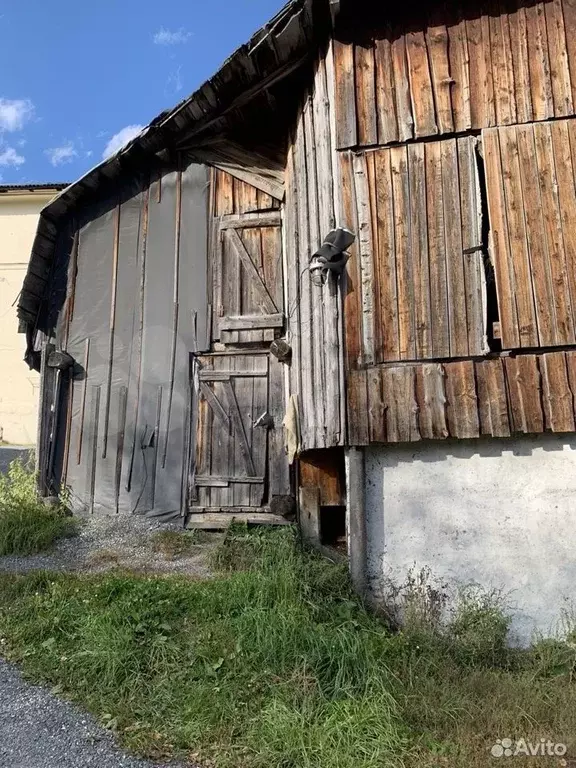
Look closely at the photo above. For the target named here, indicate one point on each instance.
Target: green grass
(27, 526)
(276, 664)
(177, 544)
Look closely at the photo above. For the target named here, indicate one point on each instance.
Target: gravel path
(39, 730)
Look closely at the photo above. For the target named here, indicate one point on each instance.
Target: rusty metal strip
(95, 420)
(156, 441)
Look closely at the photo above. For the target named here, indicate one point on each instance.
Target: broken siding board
(459, 73)
(419, 250)
(525, 394)
(420, 85)
(500, 245)
(559, 69)
(472, 246)
(492, 399)
(402, 89)
(437, 45)
(557, 396)
(553, 233)
(404, 271)
(539, 63)
(519, 247)
(364, 66)
(386, 275)
(454, 257)
(461, 399)
(519, 51)
(358, 408)
(541, 278)
(345, 95)
(431, 400)
(385, 92)
(436, 252)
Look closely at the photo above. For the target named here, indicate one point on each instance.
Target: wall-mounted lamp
(331, 257)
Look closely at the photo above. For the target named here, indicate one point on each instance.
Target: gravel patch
(39, 730)
(106, 542)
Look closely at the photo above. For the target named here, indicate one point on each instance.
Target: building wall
(492, 512)
(18, 385)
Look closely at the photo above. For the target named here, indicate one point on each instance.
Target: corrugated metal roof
(58, 185)
(287, 41)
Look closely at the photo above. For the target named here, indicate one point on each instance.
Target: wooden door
(248, 285)
(229, 472)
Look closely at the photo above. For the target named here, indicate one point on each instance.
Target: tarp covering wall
(137, 309)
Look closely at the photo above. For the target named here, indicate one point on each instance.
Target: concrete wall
(18, 385)
(499, 513)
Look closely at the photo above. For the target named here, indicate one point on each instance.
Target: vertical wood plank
(553, 232)
(474, 275)
(366, 94)
(481, 86)
(385, 93)
(519, 50)
(502, 66)
(352, 290)
(402, 88)
(563, 134)
(539, 266)
(431, 399)
(419, 250)
(399, 393)
(358, 426)
(437, 45)
(499, 243)
(539, 63)
(569, 14)
(515, 206)
(558, 52)
(461, 398)
(459, 72)
(420, 85)
(387, 295)
(557, 395)
(364, 236)
(345, 95)
(454, 257)
(437, 252)
(492, 399)
(224, 202)
(404, 268)
(376, 411)
(525, 393)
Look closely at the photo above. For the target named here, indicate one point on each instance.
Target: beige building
(19, 209)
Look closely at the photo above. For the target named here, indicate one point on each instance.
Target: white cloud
(120, 139)
(15, 113)
(61, 155)
(9, 156)
(167, 37)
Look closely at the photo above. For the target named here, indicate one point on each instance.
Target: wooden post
(356, 518)
(309, 515)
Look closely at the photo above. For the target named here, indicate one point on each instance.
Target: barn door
(249, 298)
(232, 432)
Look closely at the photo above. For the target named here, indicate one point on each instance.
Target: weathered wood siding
(416, 282)
(314, 312)
(532, 205)
(456, 69)
(528, 394)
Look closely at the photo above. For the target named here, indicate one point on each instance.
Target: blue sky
(78, 76)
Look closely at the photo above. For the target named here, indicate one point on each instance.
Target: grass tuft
(176, 544)
(275, 663)
(27, 526)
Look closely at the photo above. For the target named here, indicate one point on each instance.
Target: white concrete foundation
(498, 513)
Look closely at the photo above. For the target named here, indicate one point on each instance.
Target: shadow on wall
(524, 445)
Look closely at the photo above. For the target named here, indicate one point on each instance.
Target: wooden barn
(339, 280)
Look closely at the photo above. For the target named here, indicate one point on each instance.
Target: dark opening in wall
(333, 527)
(492, 313)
